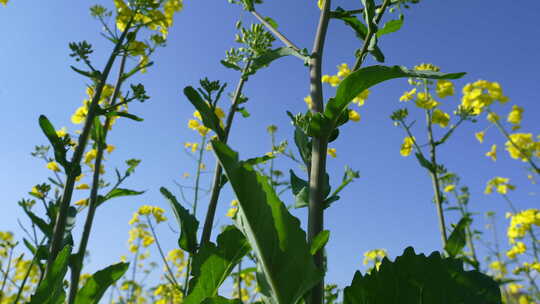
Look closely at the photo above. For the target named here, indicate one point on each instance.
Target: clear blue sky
(388, 207)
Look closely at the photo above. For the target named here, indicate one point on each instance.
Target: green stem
(169, 270)
(216, 185)
(60, 224)
(240, 281)
(468, 234)
(369, 36)
(194, 210)
(317, 168)
(4, 281)
(93, 204)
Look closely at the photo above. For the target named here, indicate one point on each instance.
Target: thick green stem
(216, 185)
(92, 206)
(60, 224)
(317, 168)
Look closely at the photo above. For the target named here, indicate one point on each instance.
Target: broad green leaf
(51, 290)
(221, 300)
(209, 117)
(59, 148)
(187, 223)
(97, 284)
(390, 27)
(367, 77)
(123, 114)
(279, 243)
(118, 192)
(319, 126)
(413, 278)
(457, 239)
(319, 241)
(213, 264)
(271, 55)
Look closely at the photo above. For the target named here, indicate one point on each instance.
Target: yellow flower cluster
(80, 114)
(444, 88)
(479, 95)
(167, 293)
(407, 146)
(515, 115)
(523, 146)
(501, 184)
(450, 188)
(499, 268)
(154, 19)
(427, 67)
(196, 125)
(517, 249)
(139, 235)
(147, 210)
(425, 101)
(53, 166)
(440, 118)
(492, 153)
(177, 258)
(521, 223)
(375, 256)
(248, 279)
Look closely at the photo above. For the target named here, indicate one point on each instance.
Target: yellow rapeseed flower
(480, 136)
(61, 132)
(501, 184)
(425, 101)
(449, 188)
(82, 187)
(407, 146)
(354, 116)
(408, 95)
(309, 101)
(493, 117)
(515, 115)
(444, 88)
(492, 153)
(332, 152)
(343, 70)
(110, 148)
(441, 118)
(427, 67)
(80, 115)
(53, 166)
(82, 202)
(522, 146)
(360, 99)
(193, 124)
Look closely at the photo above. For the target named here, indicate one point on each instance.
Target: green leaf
(424, 162)
(319, 126)
(271, 55)
(187, 223)
(303, 143)
(213, 264)
(51, 290)
(123, 114)
(230, 65)
(244, 112)
(457, 239)
(209, 117)
(97, 284)
(300, 190)
(117, 192)
(258, 160)
(369, 14)
(390, 27)
(136, 69)
(45, 227)
(272, 22)
(59, 148)
(279, 243)
(367, 77)
(413, 278)
(319, 241)
(92, 75)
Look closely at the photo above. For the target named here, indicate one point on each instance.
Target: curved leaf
(187, 223)
(50, 290)
(97, 284)
(457, 239)
(279, 243)
(367, 77)
(59, 148)
(413, 278)
(209, 118)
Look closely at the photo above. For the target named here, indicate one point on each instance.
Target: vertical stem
(468, 233)
(212, 205)
(169, 270)
(60, 224)
(92, 206)
(318, 152)
(434, 175)
(240, 281)
(4, 281)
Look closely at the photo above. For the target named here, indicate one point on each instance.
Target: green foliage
(117, 192)
(390, 27)
(187, 223)
(413, 278)
(57, 144)
(286, 268)
(458, 238)
(319, 241)
(267, 57)
(213, 264)
(367, 77)
(50, 290)
(95, 287)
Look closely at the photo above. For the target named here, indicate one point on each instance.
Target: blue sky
(388, 207)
